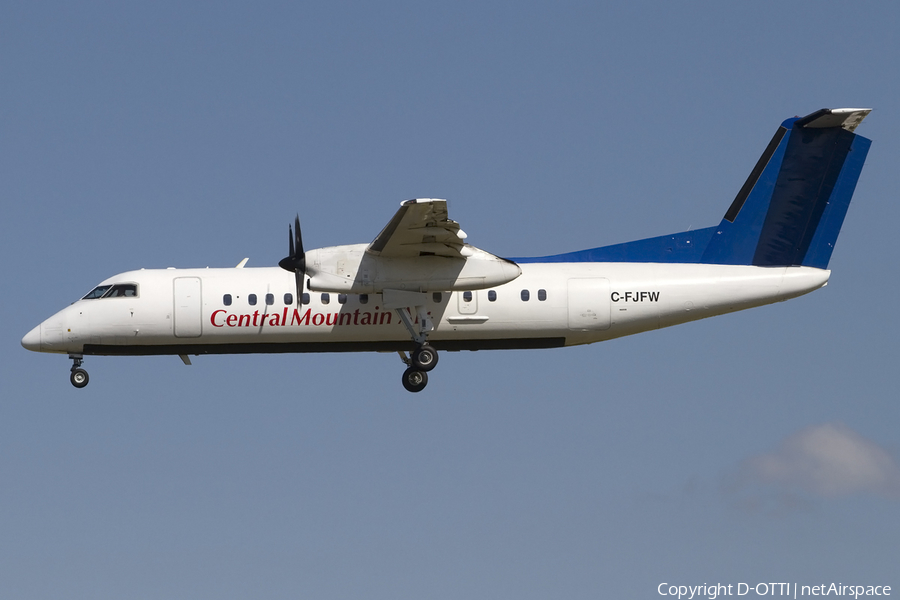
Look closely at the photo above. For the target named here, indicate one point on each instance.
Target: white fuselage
(185, 311)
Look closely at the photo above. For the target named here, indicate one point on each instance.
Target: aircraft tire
(79, 378)
(424, 358)
(414, 380)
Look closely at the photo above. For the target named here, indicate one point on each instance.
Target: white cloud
(825, 460)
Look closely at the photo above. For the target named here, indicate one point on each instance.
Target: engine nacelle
(350, 269)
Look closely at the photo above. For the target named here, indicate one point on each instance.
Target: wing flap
(419, 227)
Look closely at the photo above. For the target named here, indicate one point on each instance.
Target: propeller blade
(295, 261)
(300, 251)
(298, 279)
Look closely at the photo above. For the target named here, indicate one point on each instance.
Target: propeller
(296, 260)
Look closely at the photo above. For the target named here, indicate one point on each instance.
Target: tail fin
(790, 210)
(788, 213)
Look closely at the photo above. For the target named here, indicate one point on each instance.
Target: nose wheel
(79, 376)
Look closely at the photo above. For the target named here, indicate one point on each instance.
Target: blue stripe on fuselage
(684, 247)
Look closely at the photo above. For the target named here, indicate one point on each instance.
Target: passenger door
(188, 310)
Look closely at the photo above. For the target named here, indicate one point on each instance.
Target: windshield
(119, 290)
(97, 292)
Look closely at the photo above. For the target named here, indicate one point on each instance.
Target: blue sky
(759, 446)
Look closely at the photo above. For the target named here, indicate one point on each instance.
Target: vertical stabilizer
(790, 210)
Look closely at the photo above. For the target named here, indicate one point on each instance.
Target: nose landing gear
(79, 376)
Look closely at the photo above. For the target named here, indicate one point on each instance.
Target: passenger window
(363, 298)
(304, 298)
(342, 298)
(437, 297)
(542, 295)
(226, 299)
(270, 299)
(288, 299)
(251, 299)
(492, 296)
(326, 298)
(96, 292)
(467, 296)
(525, 295)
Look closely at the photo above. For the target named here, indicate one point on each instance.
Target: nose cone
(32, 340)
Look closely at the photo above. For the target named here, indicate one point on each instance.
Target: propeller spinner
(295, 261)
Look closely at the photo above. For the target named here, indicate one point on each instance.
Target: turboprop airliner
(418, 288)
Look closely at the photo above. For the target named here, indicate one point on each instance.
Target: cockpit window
(119, 290)
(122, 290)
(97, 292)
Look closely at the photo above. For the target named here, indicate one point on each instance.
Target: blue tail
(788, 213)
(791, 208)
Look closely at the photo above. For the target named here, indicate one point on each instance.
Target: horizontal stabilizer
(846, 118)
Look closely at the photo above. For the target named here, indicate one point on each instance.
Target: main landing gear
(79, 376)
(424, 358)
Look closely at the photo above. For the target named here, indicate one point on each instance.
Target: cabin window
(467, 296)
(542, 295)
(437, 297)
(363, 298)
(304, 298)
(326, 298)
(525, 295)
(226, 299)
(288, 299)
(96, 292)
(342, 298)
(492, 295)
(122, 290)
(270, 299)
(251, 299)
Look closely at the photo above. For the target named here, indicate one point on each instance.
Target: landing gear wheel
(424, 358)
(79, 378)
(414, 380)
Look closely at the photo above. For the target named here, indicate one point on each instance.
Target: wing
(420, 227)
